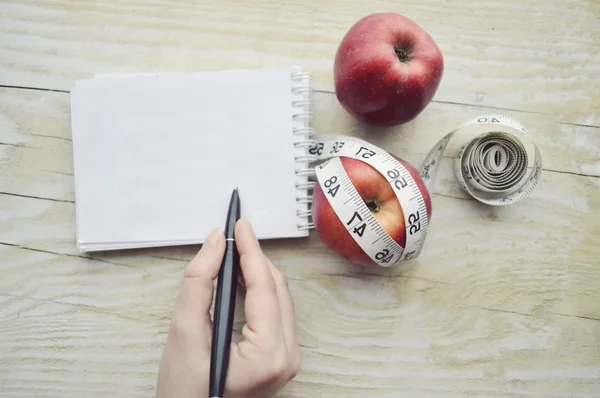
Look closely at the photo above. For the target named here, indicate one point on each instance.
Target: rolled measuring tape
(497, 163)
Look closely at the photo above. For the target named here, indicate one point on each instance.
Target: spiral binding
(304, 139)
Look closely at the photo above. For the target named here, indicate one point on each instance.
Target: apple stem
(373, 204)
(403, 55)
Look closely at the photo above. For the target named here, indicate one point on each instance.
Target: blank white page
(156, 157)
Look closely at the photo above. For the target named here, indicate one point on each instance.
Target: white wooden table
(503, 302)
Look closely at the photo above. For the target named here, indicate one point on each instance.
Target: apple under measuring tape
(497, 163)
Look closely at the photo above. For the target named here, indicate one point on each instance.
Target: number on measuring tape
(358, 229)
(333, 187)
(355, 215)
(415, 224)
(316, 149)
(486, 119)
(365, 153)
(336, 147)
(385, 256)
(399, 182)
(409, 255)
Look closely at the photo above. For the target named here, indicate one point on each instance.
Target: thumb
(192, 310)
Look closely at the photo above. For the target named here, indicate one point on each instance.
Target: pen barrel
(223, 320)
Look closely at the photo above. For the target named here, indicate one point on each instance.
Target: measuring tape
(497, 163)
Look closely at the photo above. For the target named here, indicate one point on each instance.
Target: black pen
(225, 304)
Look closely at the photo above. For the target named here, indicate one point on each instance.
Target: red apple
(378, 195)
(386, 69)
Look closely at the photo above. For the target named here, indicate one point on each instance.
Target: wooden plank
(537, 56)
(536, 255)
(53, 349)
(497, 313)
(75, 326)
(38, 159)
(41, 166)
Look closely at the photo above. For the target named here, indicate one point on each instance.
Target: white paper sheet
(156, 156)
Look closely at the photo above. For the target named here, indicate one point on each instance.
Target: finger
(263, 316)
(192, 310)
(286, 305)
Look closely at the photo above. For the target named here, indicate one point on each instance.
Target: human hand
(265, 359)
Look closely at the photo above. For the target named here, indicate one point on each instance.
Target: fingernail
(213, 238)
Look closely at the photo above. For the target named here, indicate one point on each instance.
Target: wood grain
(38, 159)
(530, 56)
(499, 248)
(59, 349)
(492, 316)
(404, 333)
(503, 302)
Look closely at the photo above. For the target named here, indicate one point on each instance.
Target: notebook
(157, 155)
